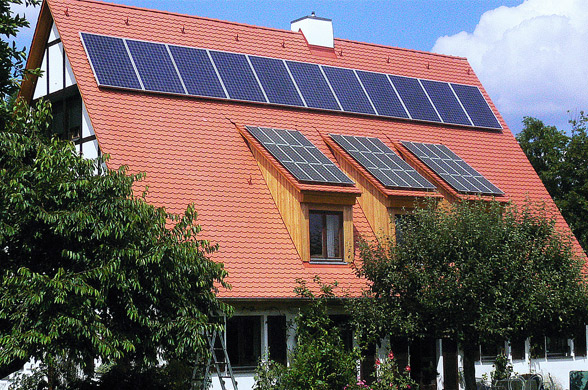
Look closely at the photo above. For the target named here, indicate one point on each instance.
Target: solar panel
(299, 156)
(197, 71)
(446, 103)
(125, 63)
(276, 81)
(476, 106)
(348, 90)
(238, 77)
(110, 61)
(312, 85)
(382, 163)
(454, 170)
(382, 94)
(155, 67)
(414, 98)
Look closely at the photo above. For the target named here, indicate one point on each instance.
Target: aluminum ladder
(221, 365)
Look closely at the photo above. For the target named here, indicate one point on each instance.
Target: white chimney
(317, 31)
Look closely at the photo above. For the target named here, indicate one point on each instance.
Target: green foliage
(502, 368)
(560, 161)
(269, 376)
(475, 272)
(12, 59)
(319, 360)
(89, 270)
(173, 375)
(389, 376)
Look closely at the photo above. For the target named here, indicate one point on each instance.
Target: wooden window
(244, 341)
(326, 235)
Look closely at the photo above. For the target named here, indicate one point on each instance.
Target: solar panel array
(452, 168)
(158, 67)
(382, 163)
(299, 156)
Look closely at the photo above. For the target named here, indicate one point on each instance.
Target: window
(557, 346)
(401, 222)
(67, 118)
(326, 231)
(244, 341)
(276, 339)
(489, 351)
(553, 346)
(580, 341)
(517, 348)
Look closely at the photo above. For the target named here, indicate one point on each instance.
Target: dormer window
(326, 235)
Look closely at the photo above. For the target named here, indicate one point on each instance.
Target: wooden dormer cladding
(378, 203)
(295, 200)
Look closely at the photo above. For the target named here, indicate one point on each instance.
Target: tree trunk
(469, 368)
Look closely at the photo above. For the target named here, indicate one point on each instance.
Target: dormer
(314, 197)
(389, 185)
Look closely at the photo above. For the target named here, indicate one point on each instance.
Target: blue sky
(529, 54)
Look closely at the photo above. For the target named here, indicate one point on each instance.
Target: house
(292, 145)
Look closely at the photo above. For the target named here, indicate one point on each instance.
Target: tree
(560, 162)
(475, 272)
(89, 270)
(12, 59)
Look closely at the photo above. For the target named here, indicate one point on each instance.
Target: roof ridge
(117, 5)
(134, 7)
(401, 48)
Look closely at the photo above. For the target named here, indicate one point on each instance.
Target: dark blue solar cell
(110, 61)
(452, 168)
(276, 81)
(446, 103)
(476, 106)
(414, 98)
(312, 85)
(382, 94)
(155, 67)
(382, 163)
(197, 71)
(348, 90)
(238, 77)
(299, 156)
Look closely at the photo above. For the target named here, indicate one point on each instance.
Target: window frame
(324, 245)
(242, 341)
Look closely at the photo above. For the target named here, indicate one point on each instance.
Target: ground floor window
(247, 343)
(551, 346)
(244, 341)
(277, 330)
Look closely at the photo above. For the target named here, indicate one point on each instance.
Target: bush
(389, 377)
(319, 360)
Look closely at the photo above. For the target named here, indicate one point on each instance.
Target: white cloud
(532, 59)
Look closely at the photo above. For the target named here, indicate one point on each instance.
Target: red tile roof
(192, 152)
